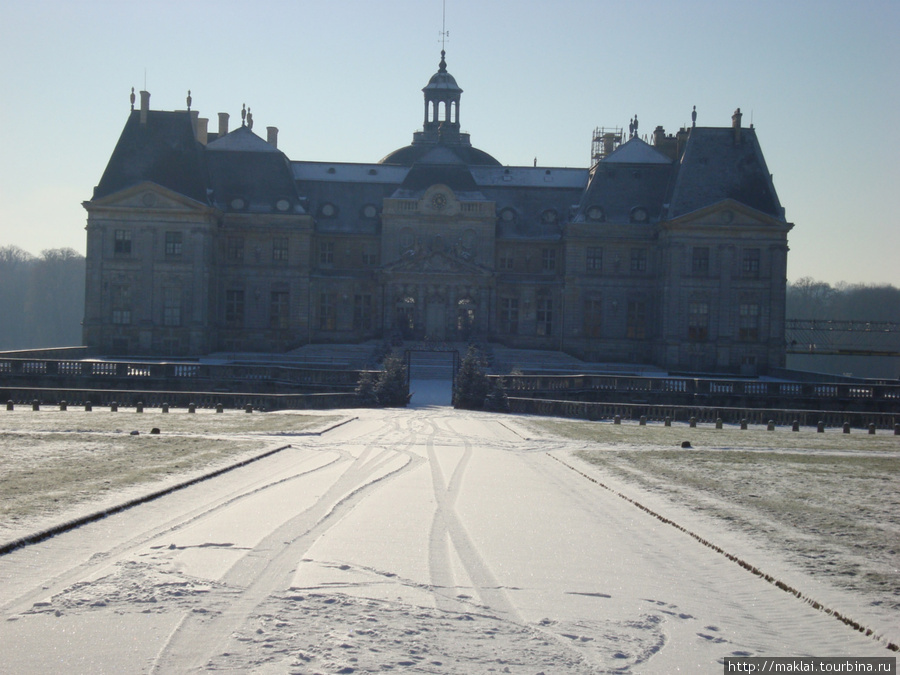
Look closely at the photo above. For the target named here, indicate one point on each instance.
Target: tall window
(636, 320)
(171, 306)
(362, 312)
(700, 261)
(698, 321)
(235, 249)
(327, 312)
(279, 309)
(548, 260)
(509, 316)
(326, 252)
(748, 322)
(750, 263)
(638, 260)
(593, 318)
(234, 307)
(280, 249)
(120, 300)
(407, 241)
(507, 262)
(173, 243)
(369, 259)
(122, 242)
(544, 316)
(593, 261)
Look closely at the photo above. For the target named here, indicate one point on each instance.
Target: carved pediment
(435, 262)
(727, 213)
(147, 196)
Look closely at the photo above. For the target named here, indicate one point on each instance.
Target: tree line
(41, 298)
(808, 298)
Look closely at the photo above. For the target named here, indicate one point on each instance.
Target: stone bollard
(140, 407)
(643, 421)
(871, 428)
(770, 426)
(219, 407)
(897, 430)
(693, 423)
(744, 424)
(795, 425)
(820, 427)
(63, 406)
(617, 419)
(113, 407)
(668, 421)
(10, 405)
(88, 406)
(846, 427)
(192, 407)
(718, 423)
(35, 405)
(165, 407)
(248, 408)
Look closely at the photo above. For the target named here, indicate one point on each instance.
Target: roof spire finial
(244, 115)
(189, 99)
(132, 99)
(694, 117)
(442, 67)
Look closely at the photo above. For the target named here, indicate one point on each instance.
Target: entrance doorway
(432, 375)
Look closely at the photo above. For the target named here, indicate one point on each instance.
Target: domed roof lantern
(442, 96)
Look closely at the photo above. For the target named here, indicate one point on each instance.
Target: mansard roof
(636, 151)
(248, 174)
(162, 150)
(716, 166)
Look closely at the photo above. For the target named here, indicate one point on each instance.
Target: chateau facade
(671, 252)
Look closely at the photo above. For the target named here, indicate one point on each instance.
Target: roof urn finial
(132, 99)
(442, 66)
(694, 117)
(244, 115)
(189, 99)
(249, 119)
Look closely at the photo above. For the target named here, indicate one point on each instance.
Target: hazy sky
(342, 80)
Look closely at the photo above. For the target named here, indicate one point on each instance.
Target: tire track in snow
(269, 567)
(447, 525)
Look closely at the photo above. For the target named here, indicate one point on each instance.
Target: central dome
(441, 126)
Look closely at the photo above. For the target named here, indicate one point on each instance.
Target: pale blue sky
(342, 79)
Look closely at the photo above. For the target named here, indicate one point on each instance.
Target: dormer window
(639, 215)
(328, 210)
(595, 213)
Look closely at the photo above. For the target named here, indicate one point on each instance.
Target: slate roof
(466, 154)
(243, 166)
(714, 167)
(163, 151)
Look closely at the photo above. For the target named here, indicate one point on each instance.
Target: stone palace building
(671, 252)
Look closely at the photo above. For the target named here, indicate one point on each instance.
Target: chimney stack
(145, 106)
(736, 125)
(272, 136)
(223, 125)
(203, 130)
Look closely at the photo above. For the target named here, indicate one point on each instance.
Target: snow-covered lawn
(439, 541)
(55, 464)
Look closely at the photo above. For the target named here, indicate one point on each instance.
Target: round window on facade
(508, 215)
(282, 205)
(639, 215)
(595, 213)
(238, 204)
(369, 211)
(328, 210)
